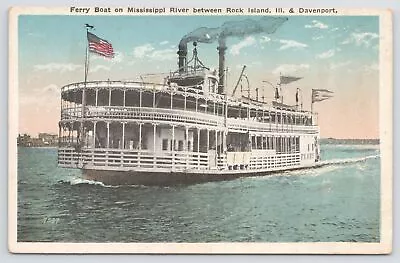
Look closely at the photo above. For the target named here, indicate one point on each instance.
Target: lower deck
(189, 162)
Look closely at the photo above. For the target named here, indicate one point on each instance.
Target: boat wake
(347, 160)
(330, 165)
(326, 166)
(81, 181)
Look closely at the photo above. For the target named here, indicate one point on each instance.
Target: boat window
(165, 144)
(259, 142)
(253, 142)
(180, 145)
(238, 142)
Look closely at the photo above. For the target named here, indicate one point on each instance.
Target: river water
(337, 202)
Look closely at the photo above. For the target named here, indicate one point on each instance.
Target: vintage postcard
(200, 130)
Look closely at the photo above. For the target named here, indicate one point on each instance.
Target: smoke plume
(234, 29)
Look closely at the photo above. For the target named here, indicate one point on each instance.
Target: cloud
(334, 29)
(372, 67)
(39, 95)
(36, 35)
(142, 51)
(360, 39)
(51, 88)
(264, 39)
(118, 58)
(164, 54)
(317, 38)
(249, 65)
(290, 68)
(99, 67)
(164, 42)
(286, 44)
(317, 24)
(340, 64)
(248, 41)
(328, 54)
(53, 67)
(149, 52)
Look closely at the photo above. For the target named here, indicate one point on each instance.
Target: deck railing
(275, 161)
(125, 159)
(173, 161)
(143, 113)
(178, 116)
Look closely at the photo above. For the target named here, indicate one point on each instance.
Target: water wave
(347, 160)
(81, 181)
(326, 166)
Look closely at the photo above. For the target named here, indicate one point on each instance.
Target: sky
(337, 53)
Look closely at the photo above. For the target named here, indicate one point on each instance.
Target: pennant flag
(100, 46)
(321, 95)
(89, 26)
(288, 79)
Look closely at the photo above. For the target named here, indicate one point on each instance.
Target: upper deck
(125, 100)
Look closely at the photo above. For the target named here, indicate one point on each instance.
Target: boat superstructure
(184, 129)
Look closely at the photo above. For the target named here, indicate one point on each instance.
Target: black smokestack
(240, 28)
(182, 52)
(203, 35)
(221, 65)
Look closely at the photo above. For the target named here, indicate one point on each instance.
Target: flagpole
(280, 87)
(312, 101)
(84, 91)
(87, 57)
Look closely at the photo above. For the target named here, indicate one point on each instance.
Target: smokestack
(182, 52)
(221, 67)
(241, 28)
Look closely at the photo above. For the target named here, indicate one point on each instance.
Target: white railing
(239, 124)
(180, 116)
(137, 113)
(185, 91)
(193, 91)
(173, 161)
(275, 161)
(97, 158)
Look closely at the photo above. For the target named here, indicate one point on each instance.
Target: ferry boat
(186, 129)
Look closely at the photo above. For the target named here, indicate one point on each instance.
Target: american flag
(100, 46)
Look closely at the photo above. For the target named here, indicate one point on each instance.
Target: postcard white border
(386, 136)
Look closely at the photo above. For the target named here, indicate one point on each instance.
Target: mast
(87, 56)
(81, 130)
(239, 79)
(312, 102)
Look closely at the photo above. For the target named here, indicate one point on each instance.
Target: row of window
(280, 144)
(174, 146)
(307, 156)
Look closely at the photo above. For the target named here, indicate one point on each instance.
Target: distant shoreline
(349, 141)
(42, 147)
